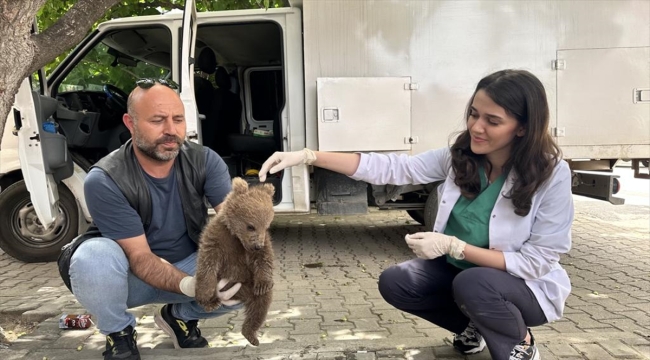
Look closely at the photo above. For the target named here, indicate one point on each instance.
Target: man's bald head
(140, 95)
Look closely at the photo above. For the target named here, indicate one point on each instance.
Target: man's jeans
(103, 284)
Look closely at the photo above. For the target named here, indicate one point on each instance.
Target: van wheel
(417, 215)
(431, 208)
(427, 216)
(21, 233)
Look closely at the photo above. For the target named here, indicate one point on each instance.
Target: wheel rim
(30, 232)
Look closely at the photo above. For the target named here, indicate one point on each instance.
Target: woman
(503, 220)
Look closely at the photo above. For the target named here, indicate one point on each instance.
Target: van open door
(43, 153)
(186, 73)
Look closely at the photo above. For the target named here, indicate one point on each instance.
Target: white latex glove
(282, 160)
(188, 285)
(430, 245)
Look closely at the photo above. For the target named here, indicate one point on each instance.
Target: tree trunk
(16, 50)
(22, 53)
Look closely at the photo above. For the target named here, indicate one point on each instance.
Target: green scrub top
(470, 218)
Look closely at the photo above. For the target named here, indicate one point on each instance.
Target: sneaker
(523, 351)
(469, 341)
(122, 345)
(185, 334)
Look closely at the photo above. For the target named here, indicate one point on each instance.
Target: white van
(328, 75)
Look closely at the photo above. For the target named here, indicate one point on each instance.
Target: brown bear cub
(236, 245)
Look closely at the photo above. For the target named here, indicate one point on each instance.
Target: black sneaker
(185, 334)
(523, 351)
(122, 345)
(469, 341)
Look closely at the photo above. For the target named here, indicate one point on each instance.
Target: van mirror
(120, 58)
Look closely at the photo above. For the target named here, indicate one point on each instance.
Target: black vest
(123, 168)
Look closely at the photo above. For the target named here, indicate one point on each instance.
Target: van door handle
(642, 95)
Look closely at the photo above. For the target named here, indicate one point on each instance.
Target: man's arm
(150, 268)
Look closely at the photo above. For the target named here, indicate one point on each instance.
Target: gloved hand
(283, 160)
(188, 285)
(430, 245)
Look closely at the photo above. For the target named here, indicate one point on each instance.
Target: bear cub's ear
(269, 189)
(239, 185)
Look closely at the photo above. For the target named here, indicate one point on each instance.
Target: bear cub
(236, 245)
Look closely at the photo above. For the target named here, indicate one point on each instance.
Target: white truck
(385, 76)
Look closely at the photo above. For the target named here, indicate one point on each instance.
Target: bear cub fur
(236, 245)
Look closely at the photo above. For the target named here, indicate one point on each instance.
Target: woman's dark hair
(532, 156)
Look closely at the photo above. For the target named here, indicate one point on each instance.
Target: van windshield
(106, 64)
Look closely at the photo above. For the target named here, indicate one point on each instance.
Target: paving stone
(329, 306)
(402, 330)
(619, 349)
(392, 317)
(584, 321)
(562, 350)
(610, 324)
(593, 351)
(332, 356)
(362, 356)
(366, 325)
(11, 354)
(301, 327)
(446, 352)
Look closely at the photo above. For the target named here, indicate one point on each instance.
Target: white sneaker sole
(477, 349)
(536, 355)
(162, 325)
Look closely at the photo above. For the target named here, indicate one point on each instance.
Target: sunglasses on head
(148, 83)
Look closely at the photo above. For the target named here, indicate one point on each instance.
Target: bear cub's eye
(250, 228)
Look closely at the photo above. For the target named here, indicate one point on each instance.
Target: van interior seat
(228, 109)
(204, 94)
(249, 144)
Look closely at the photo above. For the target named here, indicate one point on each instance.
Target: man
(147, 202)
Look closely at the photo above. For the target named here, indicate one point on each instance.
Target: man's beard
(151, 149)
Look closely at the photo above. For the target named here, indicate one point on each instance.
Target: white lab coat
(531, 244)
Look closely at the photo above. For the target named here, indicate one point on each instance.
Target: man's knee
(98, 255)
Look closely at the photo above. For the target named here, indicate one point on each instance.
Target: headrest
(222, 79)
(207, 61)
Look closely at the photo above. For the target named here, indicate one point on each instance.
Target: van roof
(177, 15)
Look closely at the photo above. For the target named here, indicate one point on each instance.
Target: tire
(427, 216)
(431, 208)
(417, 215)
(36, 245)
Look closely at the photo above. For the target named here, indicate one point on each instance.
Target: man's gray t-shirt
(167, 234)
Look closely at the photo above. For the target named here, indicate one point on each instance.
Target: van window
(267, 94)
(118, 60)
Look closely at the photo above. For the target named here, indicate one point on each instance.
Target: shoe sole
(475, 350)
(162, 325)
(536, 355)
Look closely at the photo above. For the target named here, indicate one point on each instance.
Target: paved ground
(336, 312)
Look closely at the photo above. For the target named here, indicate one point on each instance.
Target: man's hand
(430, 245)
(282, 160)
(188, 287)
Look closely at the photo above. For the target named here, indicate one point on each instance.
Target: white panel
(596, 97)
(447, 46)
(363, 114)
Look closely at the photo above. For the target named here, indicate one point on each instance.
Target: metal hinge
(558, 64)
(559, 132)
(411, 86)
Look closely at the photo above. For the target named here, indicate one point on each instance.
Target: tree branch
(68, 31)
